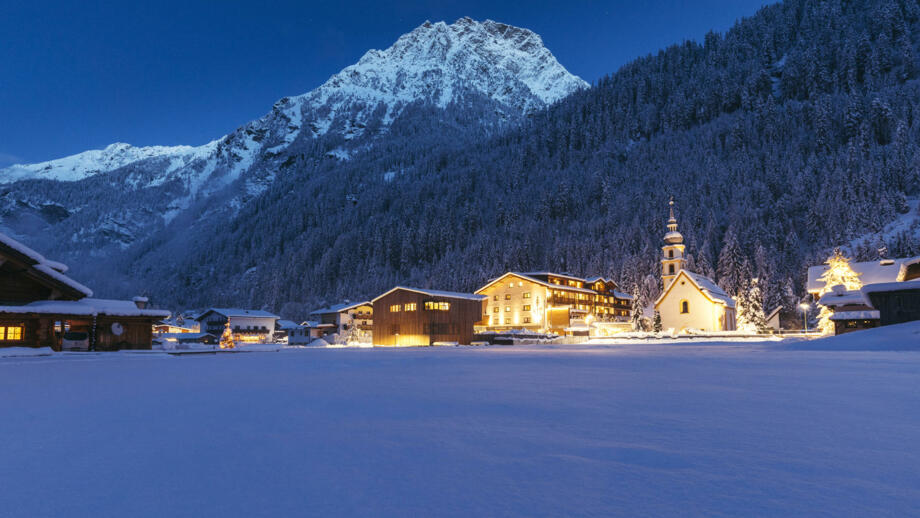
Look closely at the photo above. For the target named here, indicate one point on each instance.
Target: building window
(507, 309)
(11, 333)
(507, 296)
(526, 307)
(507, 321)
(495, 297)
(684, 307)
(527, 295)
(670, 254)
(526, 320)
(670, 268)
(510, 284)
(394, 308)
(431, 305)
(410, 306)
(496, 309)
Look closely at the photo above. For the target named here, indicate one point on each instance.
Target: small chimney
(140, 302)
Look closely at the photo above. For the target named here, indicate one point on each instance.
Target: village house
(413, 316)
(40, 306)
(247, 325)
(889, 294)
(690, 301)
(556, 303)
(355, 320)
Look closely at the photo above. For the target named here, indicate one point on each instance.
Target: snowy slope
(497, 431)
(88, 163)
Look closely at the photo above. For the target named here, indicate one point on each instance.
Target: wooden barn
(40, 306)
(413, 316)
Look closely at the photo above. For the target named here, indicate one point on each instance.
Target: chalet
(176, 325)
(40, 306)
(355, 320)
(414, 316)
(248, 325)
(782, 319)
(852, 310)
(890, 294)
(689, 300)
(553, 302)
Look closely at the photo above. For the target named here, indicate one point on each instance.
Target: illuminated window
(495, 297)
(507, 296)
(11, 333)
(684, 306)
(431, 305)
(526, 307)
(510, 284)
(496, 309)
(527, 295)
(520, 283)
(507, 321)
(410, 306)
(526, 320)
(507, 309)
(394, 308)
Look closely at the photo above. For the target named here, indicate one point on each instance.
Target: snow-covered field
(729, 429)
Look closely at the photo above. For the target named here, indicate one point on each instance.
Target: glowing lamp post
(805, 307)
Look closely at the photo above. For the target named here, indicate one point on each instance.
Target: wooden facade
(39, 305)
(896, 306)
(409, 316)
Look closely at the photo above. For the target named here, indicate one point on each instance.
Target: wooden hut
(414, 316)
(40, 306)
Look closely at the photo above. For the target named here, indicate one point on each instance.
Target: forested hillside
(790, 134)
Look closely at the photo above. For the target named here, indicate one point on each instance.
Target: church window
(671, 254)
(670, 268)
(684, 307)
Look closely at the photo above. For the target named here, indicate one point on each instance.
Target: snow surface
(621, 430)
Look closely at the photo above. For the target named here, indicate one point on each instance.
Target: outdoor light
(805, 307)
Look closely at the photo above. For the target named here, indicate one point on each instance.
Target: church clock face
(117, 329)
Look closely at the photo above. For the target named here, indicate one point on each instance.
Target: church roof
(705, 285)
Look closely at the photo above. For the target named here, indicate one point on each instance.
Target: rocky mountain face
(102, 202)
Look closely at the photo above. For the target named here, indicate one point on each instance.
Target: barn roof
(435, 293)
(52, 271)
(86, 307)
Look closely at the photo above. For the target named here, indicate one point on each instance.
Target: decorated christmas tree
(226, 339)
(838, 273)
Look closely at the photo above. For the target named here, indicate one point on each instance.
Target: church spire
(672, 261)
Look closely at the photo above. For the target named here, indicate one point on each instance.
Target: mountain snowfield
(434, 64)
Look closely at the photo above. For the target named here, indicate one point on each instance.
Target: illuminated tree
(838, 273)
(226, 339)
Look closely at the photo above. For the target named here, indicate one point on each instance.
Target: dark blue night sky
(81, 75)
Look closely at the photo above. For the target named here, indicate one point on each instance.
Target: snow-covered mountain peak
(438, 63)
(85, 164)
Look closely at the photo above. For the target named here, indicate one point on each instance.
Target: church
(689, 300)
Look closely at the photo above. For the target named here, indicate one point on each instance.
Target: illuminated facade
(557, 303)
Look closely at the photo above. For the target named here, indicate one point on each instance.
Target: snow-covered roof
(707, 287)
(338, 308)
(843, 298)
(238, 313)
(855, 315)
(530, 277)
(870, 272)
(435, 293)
(287, 324)
(621, 295)
(86, 307)
(711, 288)
(890, 286)
(52, 269)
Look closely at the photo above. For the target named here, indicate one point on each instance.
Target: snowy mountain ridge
(82, 165)
(436, 63)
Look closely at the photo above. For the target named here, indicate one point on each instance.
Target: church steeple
(672, 261)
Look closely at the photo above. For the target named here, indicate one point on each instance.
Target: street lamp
(805, 307)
